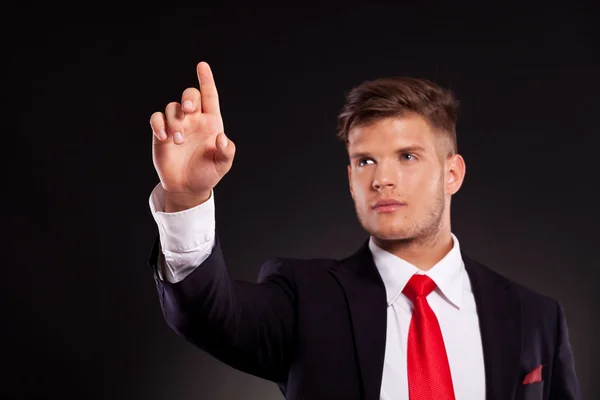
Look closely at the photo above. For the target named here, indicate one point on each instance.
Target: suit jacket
(317, 327)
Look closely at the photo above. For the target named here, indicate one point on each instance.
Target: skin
(190, 150)
(402, 158)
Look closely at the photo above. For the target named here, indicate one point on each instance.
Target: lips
(387, 202)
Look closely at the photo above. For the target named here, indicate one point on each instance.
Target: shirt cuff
(183, 231)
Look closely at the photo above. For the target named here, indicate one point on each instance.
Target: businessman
(409, 315)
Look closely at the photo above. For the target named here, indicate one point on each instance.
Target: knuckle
(174, 111)
(156, 119)
(174, 125)
(172, 106)
(190, 93)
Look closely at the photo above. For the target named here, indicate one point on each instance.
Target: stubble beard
(420, 232)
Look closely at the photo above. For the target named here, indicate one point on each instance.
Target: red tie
(428, 370)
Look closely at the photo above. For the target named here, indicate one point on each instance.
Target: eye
(408, 157)
(360, 162)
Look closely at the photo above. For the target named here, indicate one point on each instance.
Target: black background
(81, 317)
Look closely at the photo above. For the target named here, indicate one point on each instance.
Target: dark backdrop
(80, 316)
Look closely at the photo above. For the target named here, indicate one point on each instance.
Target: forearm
(248, 326)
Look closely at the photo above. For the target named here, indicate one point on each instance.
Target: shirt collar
(448, 273)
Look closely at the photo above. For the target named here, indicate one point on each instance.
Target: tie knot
(418, 285)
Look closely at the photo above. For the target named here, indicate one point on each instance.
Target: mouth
(387, 206)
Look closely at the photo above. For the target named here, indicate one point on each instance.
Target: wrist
(175, 202)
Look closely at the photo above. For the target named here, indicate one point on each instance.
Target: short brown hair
(395, 97)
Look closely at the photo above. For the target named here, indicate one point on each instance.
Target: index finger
(208, 89)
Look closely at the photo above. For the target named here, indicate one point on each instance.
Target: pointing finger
(208, 89)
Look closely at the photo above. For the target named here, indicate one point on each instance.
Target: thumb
(225, 148)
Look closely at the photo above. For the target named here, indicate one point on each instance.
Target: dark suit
(317, 327)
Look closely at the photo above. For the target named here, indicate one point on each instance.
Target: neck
(422, 252)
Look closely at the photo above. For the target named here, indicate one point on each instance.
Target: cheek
(361, 200)
(358, 189)
(421, 183)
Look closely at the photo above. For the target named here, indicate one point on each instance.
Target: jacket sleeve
(564, 383)
(249, 326)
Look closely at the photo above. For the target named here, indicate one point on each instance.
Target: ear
(456, 169)
(350, 181)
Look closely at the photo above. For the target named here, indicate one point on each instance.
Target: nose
(385, 177)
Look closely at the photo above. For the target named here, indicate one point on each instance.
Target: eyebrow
(403, 150)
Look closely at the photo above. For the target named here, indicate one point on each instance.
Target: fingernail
(162, 134)
(188, 105)
(178, 137)
(224, 141)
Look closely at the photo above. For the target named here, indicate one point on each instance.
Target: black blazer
(317, 327)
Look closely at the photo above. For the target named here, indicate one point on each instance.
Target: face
(399, 159)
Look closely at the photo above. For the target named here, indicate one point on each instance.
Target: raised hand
(189, 148)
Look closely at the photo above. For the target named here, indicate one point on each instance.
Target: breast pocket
(531, 391)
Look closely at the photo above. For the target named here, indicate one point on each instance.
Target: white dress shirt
(187, 238)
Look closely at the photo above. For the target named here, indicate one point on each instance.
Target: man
(408, 316)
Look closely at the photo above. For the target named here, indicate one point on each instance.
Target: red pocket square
(533, 376)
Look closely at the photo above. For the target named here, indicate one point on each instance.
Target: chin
(390, 233)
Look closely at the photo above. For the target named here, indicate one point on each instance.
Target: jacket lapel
(367, 304)
(498, 309)
(499, 312)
